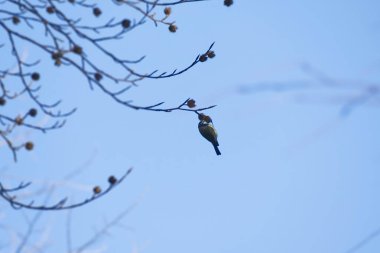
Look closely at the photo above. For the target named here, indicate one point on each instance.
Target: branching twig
(69, 42)
(352, 94)
(5, 193)
(104, 230)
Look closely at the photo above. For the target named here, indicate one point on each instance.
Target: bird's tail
(216, 149)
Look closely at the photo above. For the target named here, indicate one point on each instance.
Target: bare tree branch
(364, 242)
(69, 42)
(348, 93)
(5, 193)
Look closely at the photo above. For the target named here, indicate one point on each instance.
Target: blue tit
(208, 131)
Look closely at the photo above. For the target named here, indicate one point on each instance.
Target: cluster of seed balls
(32, 112)
(111, 180)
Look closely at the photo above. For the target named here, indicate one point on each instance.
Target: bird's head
(205, 118)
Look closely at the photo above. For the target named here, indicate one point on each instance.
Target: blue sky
(295, 175)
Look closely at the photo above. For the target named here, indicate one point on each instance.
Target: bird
(207, 130)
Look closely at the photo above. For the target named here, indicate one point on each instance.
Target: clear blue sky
(295, 176)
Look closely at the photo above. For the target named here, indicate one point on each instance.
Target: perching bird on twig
(207, 130)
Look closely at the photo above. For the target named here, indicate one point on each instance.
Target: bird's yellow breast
(208, 132)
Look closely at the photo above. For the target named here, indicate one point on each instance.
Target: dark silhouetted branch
(8, 194)
(53, 28)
